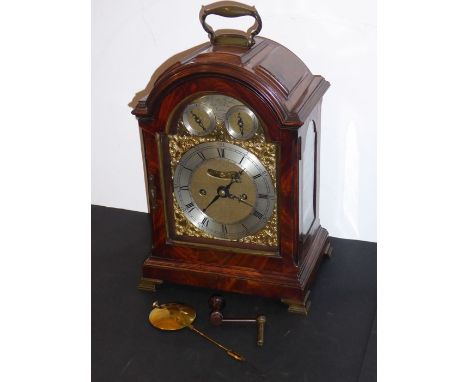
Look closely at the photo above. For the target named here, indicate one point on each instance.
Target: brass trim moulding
(147, 284)
(298, 307)
(220, 247)
(162, 181)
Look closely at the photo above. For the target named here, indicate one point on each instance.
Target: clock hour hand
(209, 204)
(223, 192)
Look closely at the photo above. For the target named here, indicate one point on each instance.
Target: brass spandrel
(264, 151)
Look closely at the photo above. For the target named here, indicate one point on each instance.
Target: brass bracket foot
(328, 249)
(149, 285)
(298, 307)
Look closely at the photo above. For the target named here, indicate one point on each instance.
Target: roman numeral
(224, 228)
(189, 169)
(205, 222)
(183, 188)
(258, 214)
(262, 196)
(257, 176)
(221, 153)
(189, 207)
(241, 160)
(200, 154)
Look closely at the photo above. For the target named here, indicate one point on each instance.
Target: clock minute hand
(223, 192)
(214, 200)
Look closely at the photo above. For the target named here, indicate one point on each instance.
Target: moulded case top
(282, 79)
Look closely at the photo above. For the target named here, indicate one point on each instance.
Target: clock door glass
(224, 190)
(307, 170)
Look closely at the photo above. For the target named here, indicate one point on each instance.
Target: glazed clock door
(222, 174)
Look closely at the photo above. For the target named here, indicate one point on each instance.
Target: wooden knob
(216, 302)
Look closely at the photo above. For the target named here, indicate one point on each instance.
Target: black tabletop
(336, 341)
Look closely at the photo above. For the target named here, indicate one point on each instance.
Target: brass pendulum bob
(175, 316)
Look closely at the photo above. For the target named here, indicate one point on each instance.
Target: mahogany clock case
(287, 97)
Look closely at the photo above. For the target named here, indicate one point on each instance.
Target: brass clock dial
(241, 122)
(199, 119)
(224, 190)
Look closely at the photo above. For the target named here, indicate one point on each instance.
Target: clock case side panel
(313, 238)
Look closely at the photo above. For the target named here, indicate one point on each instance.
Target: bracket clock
(231, 143)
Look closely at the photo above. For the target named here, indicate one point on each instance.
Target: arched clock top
(278, 77)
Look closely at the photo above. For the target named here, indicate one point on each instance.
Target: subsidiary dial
(241, 122)
(199, 119)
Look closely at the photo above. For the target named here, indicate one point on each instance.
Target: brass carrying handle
(232, 37)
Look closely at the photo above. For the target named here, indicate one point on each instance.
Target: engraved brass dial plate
(216, 171)
(224, 190)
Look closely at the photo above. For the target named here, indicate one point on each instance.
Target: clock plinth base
(298, 307)
(148, 284)
(292, 288)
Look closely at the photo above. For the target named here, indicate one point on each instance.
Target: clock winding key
(217, 304)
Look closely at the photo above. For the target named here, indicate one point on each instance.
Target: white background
(45, 164)
(335, 38)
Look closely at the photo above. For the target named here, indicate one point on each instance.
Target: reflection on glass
(307, 211)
